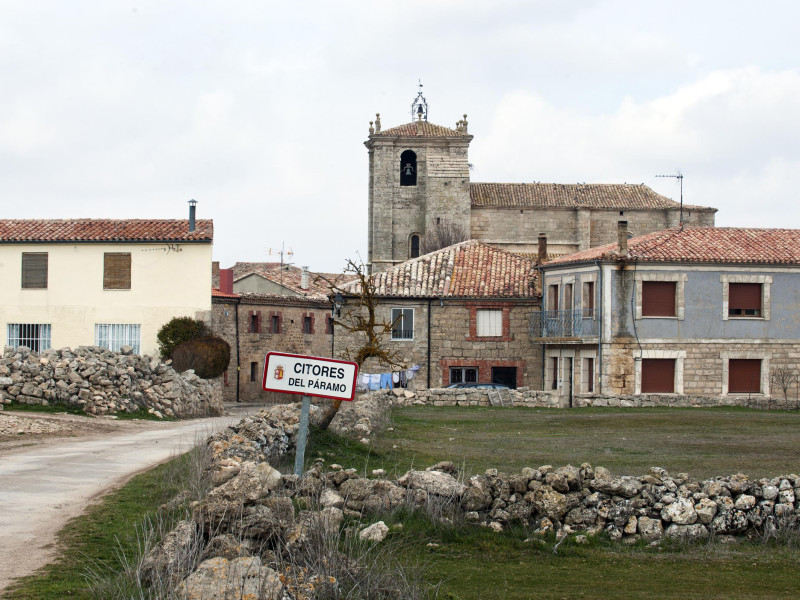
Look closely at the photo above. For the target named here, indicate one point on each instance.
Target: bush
(208, 356)
(177, 331)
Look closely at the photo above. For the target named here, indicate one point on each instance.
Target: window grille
(402, 323)
(35, 336)
(113, 336)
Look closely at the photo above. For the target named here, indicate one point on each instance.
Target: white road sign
(310, 376)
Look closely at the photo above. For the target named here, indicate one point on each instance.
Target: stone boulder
(374, 533)
(433, 482)
(627, 487)
(549, 503)
(237, 579)
(173, 556)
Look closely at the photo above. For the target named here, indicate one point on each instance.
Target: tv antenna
(283, 252)
(679, 177)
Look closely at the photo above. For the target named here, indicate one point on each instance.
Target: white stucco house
(77, 282)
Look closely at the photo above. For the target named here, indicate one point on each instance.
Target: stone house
(296, 321)
(460, 314)
(703, 313)
(419, 180)
(104, 282)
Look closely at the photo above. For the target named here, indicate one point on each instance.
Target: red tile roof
(216, 293)
(105, 230)
(578, 195)
(289, 277)
(721, 245)
(470, 269)
(422, 128)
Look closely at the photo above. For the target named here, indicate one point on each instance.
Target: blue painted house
(703, 312)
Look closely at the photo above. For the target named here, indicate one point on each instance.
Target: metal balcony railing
(564, 324)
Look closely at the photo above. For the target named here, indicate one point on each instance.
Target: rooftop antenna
(679, 177)
(419, 107)
(282, 252)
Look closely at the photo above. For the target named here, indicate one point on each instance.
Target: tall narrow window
(117, 271)
(568, 296)
(308, 324)
(34, 270)
(253, 371)
(408, 168)
(587, 375)
(552, 297)
(276, 324)
(414, 246)
(554, 373)
(402, 323)
(588, 299)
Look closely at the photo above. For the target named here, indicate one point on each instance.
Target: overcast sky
(259, 109)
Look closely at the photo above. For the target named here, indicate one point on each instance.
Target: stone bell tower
(418, 180)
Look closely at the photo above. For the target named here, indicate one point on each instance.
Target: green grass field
(472, 563)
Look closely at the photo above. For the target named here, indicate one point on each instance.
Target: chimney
(215, 274)
(542, 257)
(192, 205)
(226, 281)
(304, 279)
(622, 238)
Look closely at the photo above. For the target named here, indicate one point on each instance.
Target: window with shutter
(744, 299)
(744, 376)
(34, 270)
(658, 375)
(588, 299)
(658, 298)
(490, 322)
(552, 297)
(117, 271)
(402, 323)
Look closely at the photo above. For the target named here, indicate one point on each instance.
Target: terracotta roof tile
(105, 230)
(578, 195)
(216, 293)
(470, 269)
(420, 128)
(723, 245)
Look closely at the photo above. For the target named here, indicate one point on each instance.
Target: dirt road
(47, 478)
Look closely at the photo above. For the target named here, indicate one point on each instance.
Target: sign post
(308, 376)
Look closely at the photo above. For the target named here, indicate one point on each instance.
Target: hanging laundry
(386, 380)
(375, 381)
(395, 377)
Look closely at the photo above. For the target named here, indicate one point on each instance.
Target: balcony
(564, 325)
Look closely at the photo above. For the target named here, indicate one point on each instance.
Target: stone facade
(267, 323)
(453, 342)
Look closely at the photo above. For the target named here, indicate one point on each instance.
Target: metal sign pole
(302, 436)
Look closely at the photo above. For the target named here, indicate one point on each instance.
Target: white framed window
(489, 322)
(402, 323)
(113, 336)
(739, 300)
(651, 369)
(745, 373)
(35, 336)
(661, 295)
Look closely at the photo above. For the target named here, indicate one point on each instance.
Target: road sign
(309, 376)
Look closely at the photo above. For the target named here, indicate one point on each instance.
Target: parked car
(480, 386)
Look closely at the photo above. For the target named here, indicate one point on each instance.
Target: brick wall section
(452, 343)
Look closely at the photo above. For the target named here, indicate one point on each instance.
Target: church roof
(720, 245)
(576, 195)
(470, 269)
(421, 128)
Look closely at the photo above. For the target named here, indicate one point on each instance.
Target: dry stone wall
(103, 382)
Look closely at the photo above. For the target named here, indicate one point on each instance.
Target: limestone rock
(237, 579)
(650, 529)
(549, 503)
(687, 532)
(374, 533)
(433, 482)
(680, 512)
(173, 556)
(627, 487)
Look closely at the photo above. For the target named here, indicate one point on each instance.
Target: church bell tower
(418, 180)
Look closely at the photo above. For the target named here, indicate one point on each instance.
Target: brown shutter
(117, 271)
(552, 297)
(250, 321)
(658, 375)
(258, 321)
(658, 298)
(744, 297)
(588, 295)
(34, 270)
(744, 376)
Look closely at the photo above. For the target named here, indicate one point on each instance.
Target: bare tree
(783, 378)
(360, 318)
(442, 234)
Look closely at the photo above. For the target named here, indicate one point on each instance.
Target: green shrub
(208, 356)
(177, 331)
